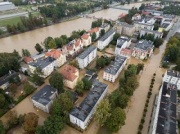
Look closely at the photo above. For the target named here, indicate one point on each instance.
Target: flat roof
(166, 123)
(84, 109)
(121, 41)
(43, 96)
(115, 65)
(4, 79)
(86, 52)
(173, 73)
(42, 62)
(107, 34)
(144, 44)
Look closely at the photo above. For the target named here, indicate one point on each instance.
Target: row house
(156, 34)
(70, 75)
(82, 115)
(106, 39)
(44, 98)
(143, 49)
(87, 57)
(113, 70)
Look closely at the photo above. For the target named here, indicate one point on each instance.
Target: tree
(131, 71)
(102, 32)
(115, 37)
(132, 82)
(139, 67)
(93, 36)
(56, 81)
(37, 79)
(12, 118)
(87, 84)
(122, 101)
(79, 87)
(113, 98)
(158, 42)
(100, 62)
(2, 128)
(28, 89)
(173, 53)
(39, 48)
(102, 112)
(142, 7)
(116, 120)
(2, 100)
(25, 52)
(52, 44)
(30, 123)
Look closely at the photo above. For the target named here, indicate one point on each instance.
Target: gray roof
(154, 11)
(144, 44)
(173, 73)
(121, 41)
(115, 65)
(42, 62)
(107, 34)
(104, 25)
(4, 79)
(164, 25)
(83, 110)
(141, 23)
(86, 52)
(125, 24)
(166, 123)
(43, 96)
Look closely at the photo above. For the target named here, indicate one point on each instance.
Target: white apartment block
(44, 98)
(106, 39)
(113, 70)
(6, 6)
(83, 114)
(87, 56)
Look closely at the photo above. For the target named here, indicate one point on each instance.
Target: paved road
(135, 110)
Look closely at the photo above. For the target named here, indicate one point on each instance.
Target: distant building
(86, 39)
(106, 39)
(46, 65)
(105, 26)
(70, 75)
(137, 16)
(125, 28)
(122, 42)
(95, 30)
(82, 114)
(156, 34)
(44, 98)
(145, 23)
(73, 48)
(113, 70)
(4, 6)
(164, 116)
(143, 49)
(87, 56)
(58, 55)
(5, 80)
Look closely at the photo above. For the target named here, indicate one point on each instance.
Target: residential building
(37, 56)
(122, 42)
(87, 56)
(106, 39)
(46, 65)
(166, 25)
(156, 34)
(168, 17)
(125, 28)
(164, 116)
(58, 55)
(125, 52)
(27, 59)
(73, 48)
(91, 75)
(95, 30)
(86, 39)
(44, 98)
(105, 26)
(70, 75)
(115, 67)
(143, 49)
(4, 6)
(145, 23)
(5, 80)
(81, 115)
(136, 17)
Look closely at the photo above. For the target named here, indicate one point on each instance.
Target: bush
(140, 127)
(145, 110)
(146, 105)
(139, 132)
(144, 115)
(151, 86)
(142, 121)
(147, 101)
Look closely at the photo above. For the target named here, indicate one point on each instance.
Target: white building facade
(4, 6)
(87, 56)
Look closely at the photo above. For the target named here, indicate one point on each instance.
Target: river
(28, 40)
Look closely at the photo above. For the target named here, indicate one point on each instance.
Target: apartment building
(156, 34)
(95, 30)
(115, 67)
(87, 56)
(86, 39)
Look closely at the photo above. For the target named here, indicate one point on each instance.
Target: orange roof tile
(27, 59)
(68, 72)
(94, 30)
(55, 53)
(85, 36)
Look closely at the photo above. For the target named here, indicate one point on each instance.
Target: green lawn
(10, 21)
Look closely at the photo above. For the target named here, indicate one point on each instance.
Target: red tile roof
(85, 36)
(78, 42)
(27, 59)
(68, 72)
(94, 30)
(146, 13)
(125, 51)
(55, 53)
